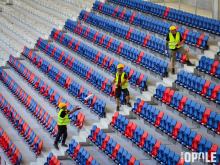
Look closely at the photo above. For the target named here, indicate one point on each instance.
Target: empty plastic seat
(141, 138)
(34, 142)
(103, 61)
(79, 154)
(112, 148)
(25, 99)
(207, 24)
(188, 107)
(11, 151)
(132, 55)
(98, 105)
(52, 159)
(198, 85)
(205, 64)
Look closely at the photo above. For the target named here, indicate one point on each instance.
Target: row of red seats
(36, 110)
(45, 90)
(33, 140)
(9, 148)
(144, 140)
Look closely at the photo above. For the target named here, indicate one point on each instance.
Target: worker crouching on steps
(121, 84)
(62, 122)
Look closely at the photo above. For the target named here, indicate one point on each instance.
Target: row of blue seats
(84, 71)
(52, 160)
(90, 75)
(22, 127)
(111, 148)
(77, 118)
(189, 107)
(140, 58)
(136, 36)
(193, 38)
(175, 129)
(209, 66)
(199, 85)
(36, 110)
(145, 141)
(135, 78)
(200, 22)
(132, 34)
(77, 90)
(80, 154)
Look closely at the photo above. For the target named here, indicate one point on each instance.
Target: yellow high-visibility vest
(174, 41)
(63, 121)
(125, 85)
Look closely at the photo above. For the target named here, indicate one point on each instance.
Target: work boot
(64, 145)
(173, 71)
(166, 74)
(118, 108)
(56, 146)
(188, 63)
(129, 104)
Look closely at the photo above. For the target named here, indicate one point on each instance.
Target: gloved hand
(166, 52)
(77, 108)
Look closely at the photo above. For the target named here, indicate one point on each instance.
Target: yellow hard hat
(62, 105)
(120, 66)
(172, 27)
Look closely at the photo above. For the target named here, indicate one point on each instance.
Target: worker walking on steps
(121, 83)
(62, 122)
(175, 44)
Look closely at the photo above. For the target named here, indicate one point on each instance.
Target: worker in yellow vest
(175, 44)
(121, 83)
(62, 122)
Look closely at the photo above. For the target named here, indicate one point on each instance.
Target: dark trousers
(62, 131)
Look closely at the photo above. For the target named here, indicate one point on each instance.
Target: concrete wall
(208, 8)
(202, 4)
(8, 1)
(216, 9)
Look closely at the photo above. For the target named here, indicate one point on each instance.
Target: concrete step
(169, 80)
(152, 89)
(146, 96)
(214, 48)
(82, 136)
(210, 53)
(189, 68)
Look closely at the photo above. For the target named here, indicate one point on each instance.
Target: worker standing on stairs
(175, 45)
(62, 122)
(121, 83)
